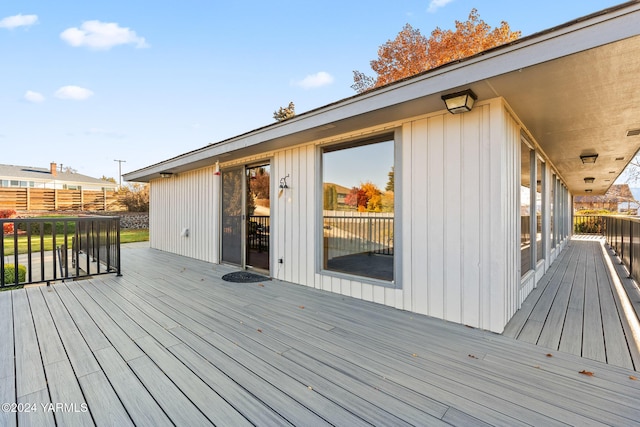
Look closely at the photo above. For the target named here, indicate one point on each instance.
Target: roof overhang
(576, 89)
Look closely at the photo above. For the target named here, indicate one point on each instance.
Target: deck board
(579, 311)
(171, 343)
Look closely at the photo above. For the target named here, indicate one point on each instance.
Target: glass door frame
(244, 220)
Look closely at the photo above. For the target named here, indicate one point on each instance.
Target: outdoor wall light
(588, 158)
(166, 174)
(589, 180)
(283, 182)
(460, 102)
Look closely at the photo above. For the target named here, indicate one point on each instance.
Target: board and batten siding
(188, 200)
(458, 178)
(457, 190)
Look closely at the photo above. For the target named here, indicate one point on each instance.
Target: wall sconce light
(460, 102)
(166, 174)
(588, 190)
(588, 158)
(589, 180)
(283, 182)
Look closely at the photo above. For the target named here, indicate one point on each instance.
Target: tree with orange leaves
(411, 53)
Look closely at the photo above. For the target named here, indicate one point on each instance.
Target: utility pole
(120, 171)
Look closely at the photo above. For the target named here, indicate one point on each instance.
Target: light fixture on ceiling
(166, 174)
(588, 158)
(460, 102)
(589, 180)
(588, 190)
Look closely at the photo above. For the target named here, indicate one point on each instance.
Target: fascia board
(591, 32)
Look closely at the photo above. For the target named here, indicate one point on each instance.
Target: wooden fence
(45, 199)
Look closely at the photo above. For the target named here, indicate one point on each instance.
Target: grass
(126, 236)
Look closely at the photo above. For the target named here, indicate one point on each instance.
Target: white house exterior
(460, 243)
(13, 176)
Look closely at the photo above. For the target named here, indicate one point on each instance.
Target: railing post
(118, 245)
(630, 247)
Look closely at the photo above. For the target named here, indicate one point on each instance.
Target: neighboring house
(52, 178)
(618, 198)
(557, 115)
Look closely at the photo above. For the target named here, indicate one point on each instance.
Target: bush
(135, 197)
(48, 227)
(7, 213)
(10, 274)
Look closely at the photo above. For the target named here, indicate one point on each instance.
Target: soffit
(584, 103)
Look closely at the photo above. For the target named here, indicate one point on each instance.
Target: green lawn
(126, 236)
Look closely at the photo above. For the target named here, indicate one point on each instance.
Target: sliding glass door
(246, 216)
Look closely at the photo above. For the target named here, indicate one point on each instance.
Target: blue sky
(83, 82)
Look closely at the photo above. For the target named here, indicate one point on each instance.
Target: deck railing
(588, 224)
(622, 233)
(358, 234)
(258, 233)
(38, 250)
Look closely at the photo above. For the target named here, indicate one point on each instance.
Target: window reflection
(358, 209)
(525, 208)
(539, 208)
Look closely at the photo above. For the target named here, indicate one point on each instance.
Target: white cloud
(312, 81)
(35, 97)
(75, 93)
(437, 4)
(19, 20)
(101, 36)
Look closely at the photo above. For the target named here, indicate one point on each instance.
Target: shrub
(9, 276)
(7, 213)
(135, 197)
(48, 227)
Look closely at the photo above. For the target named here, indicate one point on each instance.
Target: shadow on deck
(580, 307)
(170, 343)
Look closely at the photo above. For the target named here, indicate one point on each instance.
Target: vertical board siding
(435, 218)
(453, 217)
(416, 234)
(511, 232)
(447, 213)
(459, 196)
(472, 193)
(187, 200)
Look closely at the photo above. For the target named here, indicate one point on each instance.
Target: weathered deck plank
(579, 311)
(170, 343)
(593, 345)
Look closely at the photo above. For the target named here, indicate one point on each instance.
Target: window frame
(394, 136)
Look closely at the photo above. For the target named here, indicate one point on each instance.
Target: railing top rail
(359, 217)
(622, 217)
(59, 219)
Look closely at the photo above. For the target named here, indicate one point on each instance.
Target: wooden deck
(577, 308)
(170, 343)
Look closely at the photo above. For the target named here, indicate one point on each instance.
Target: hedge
(10, 274)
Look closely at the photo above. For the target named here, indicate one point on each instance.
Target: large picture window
(358, 209)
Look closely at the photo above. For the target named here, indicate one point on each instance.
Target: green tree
(390, 182)
(330, 198)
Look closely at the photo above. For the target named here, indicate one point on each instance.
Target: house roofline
(597, 29)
